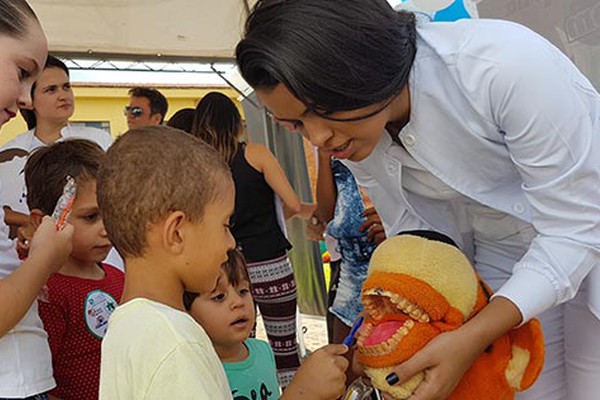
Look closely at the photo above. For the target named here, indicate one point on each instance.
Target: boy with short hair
(79, 298)
(166, 199)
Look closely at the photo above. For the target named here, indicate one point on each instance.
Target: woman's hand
(447, 357)
(50, 245)
(444, 360)
(372, 225)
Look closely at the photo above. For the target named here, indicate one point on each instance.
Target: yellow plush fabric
(410, 272)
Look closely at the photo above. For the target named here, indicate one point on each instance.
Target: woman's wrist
(497, 318)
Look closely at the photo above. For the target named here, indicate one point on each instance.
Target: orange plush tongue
(383, 332)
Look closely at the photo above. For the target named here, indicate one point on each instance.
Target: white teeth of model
(375, 350)
(409, 308)
(385, 347)
(409, 323)
(404, 331)
(424, 319)
(416, 314)
(402, 302)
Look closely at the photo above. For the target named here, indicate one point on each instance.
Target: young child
(80, 297)
(166, 199)
(227, 314)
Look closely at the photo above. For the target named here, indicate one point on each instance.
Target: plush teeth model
(418, 288)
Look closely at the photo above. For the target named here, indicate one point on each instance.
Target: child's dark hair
(183, 120)
(236, 270)
(47, 168)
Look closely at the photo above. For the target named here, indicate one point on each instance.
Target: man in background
(147, 106)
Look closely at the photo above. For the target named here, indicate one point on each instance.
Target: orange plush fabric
(418, 288)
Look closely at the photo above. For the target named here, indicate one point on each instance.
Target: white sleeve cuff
(530, 291)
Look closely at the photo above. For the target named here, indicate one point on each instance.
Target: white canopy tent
(177, 29)
(208, 30)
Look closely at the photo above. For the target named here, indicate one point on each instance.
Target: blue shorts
(356, 253)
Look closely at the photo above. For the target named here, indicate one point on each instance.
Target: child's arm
(326, 198)
(49, 251)
(326, 190)
(321, 377)
(14, 219)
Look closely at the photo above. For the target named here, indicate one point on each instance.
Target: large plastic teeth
(385, 347)
(378, 308)
(364, 333)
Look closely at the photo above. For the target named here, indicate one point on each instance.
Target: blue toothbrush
(350, 338)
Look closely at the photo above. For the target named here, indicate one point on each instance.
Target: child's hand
(24, 235)
(50, 245)
(321, 377)
(315, 229)
(445, 360)
(372, 225)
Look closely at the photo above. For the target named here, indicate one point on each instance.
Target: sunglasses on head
(135, 111)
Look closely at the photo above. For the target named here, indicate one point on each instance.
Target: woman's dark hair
(183, 120)
(14, 17)
(29, 115)
(219, 123)
(236, 270)
(333, 55)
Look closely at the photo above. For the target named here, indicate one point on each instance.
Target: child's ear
(35, 217)
(173, 232)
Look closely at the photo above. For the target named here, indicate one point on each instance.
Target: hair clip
(63, 207)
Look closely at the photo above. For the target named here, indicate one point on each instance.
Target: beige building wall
(105, 104)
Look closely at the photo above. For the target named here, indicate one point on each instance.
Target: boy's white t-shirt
(25, 361)
(153, 351)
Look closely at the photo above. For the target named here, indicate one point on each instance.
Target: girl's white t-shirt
(25, 360)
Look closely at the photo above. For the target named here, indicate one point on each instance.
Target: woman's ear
(35, 217)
